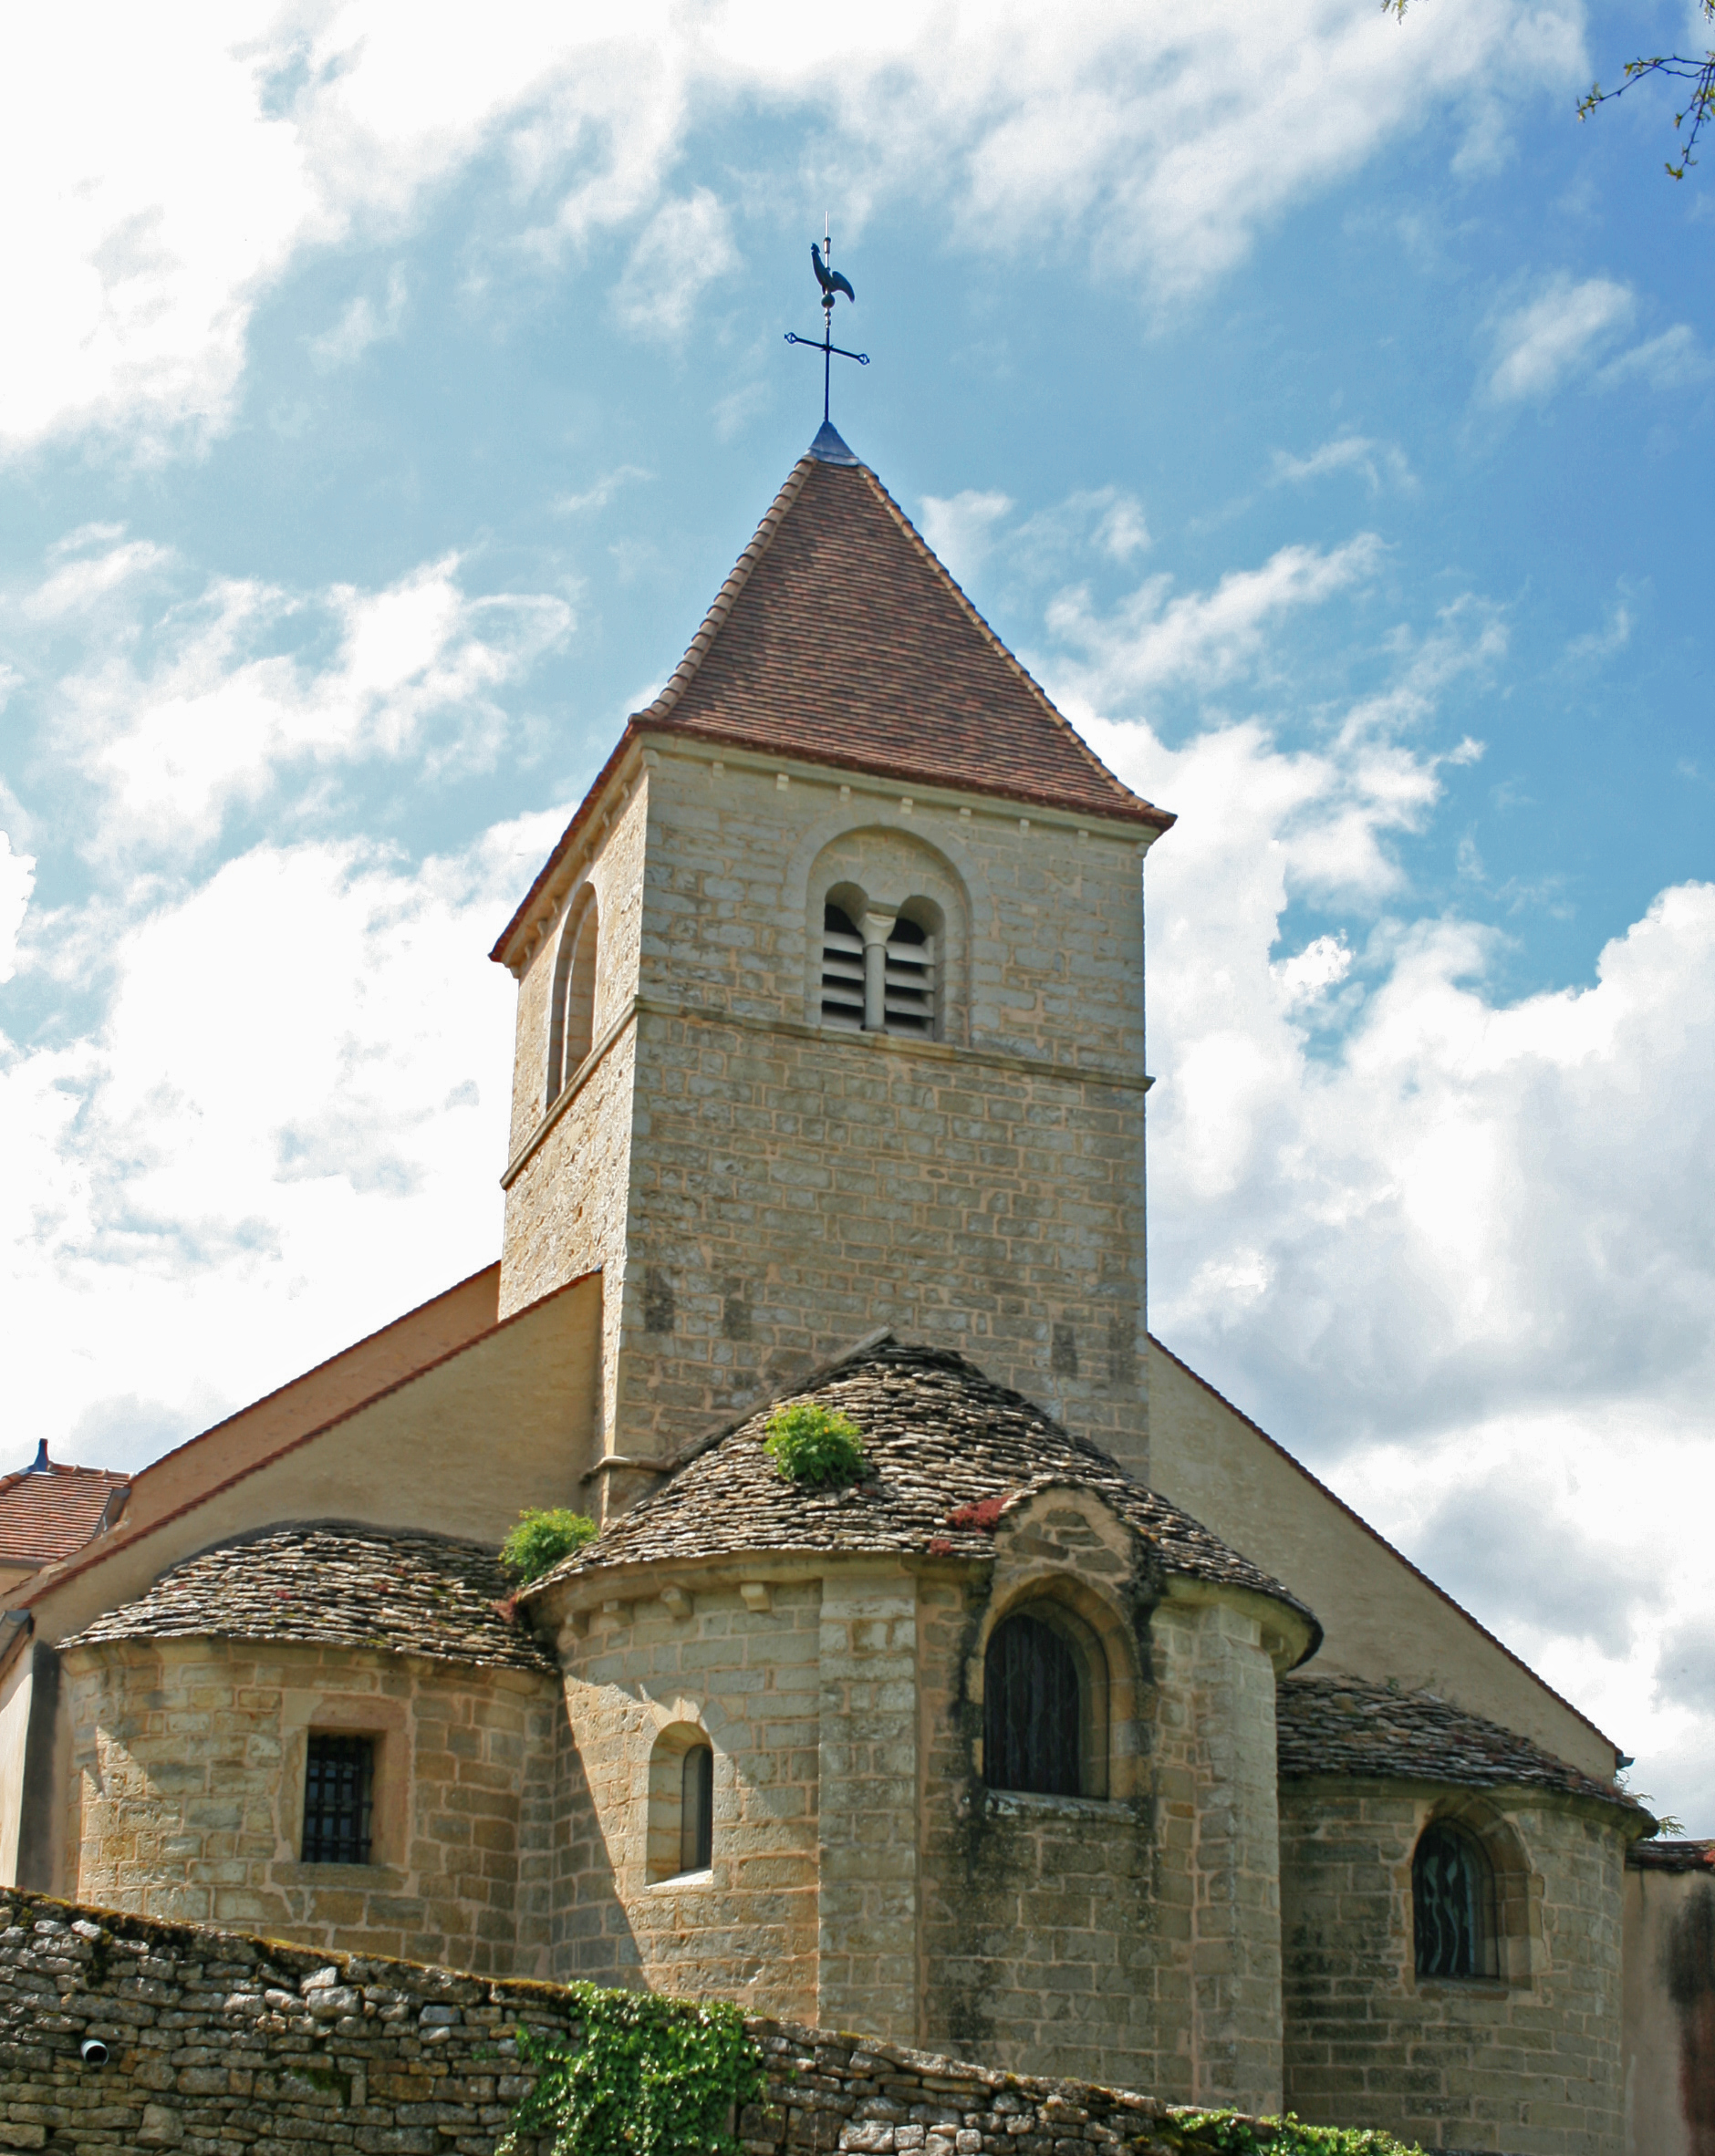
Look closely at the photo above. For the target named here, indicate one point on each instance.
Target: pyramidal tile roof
(48, 1511)
(840, 639)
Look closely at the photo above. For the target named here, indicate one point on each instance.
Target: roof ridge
(111, 1546)
(1376, 1535)
(726, 598)
(980, 622)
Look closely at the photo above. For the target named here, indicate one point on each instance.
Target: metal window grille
(842, 971)
(911, 980)
(339, 1785)
(1450, 1900)
(1031, 1710)
(696, 1811)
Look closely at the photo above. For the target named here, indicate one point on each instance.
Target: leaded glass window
(1450, 1897)
(1032, 1719)
(338, 1799)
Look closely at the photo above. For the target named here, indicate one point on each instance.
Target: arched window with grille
(1033, 1713)
(842, 970)
(1452, 1904)
(572, 1019)
(880, 984)
(910, 980)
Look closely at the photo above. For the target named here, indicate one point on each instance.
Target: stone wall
(1669, 2023)
(749, 1678)
(759, 1191)
(220, 2040)
(1527, 2063)
(187, 1783)
(864, 1875)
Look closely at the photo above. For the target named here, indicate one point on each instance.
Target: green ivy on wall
(653, 2076)
(1228, 2133)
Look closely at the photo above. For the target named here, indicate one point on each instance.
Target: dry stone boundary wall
(217, 2041)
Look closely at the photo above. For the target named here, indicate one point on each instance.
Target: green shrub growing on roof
(818, 1446)
(539, 1541)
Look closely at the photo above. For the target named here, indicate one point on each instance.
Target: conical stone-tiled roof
(947, 1452)
(1340, 1725)
(337, 1584)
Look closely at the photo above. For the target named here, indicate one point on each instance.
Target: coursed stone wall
(864, 1875)
(761, 1192)
(1528, 2063)
(221, 2040)
(187, 1788)
(749, 1678)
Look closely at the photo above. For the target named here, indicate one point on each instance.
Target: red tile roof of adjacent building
(47, 1513)
(840, 639)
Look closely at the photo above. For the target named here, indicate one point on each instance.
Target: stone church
(1086, 1732)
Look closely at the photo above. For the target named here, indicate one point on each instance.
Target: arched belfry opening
(572, 1014)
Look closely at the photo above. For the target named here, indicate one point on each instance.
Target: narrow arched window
(910, 980)
(842, 970)
(1452, 1900)
(1031, 1709)
(682, 1804)
(572, 1020)
(696, 1811)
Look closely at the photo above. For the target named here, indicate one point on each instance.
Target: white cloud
(962, 529)
(295, 1103)
(600, 492)
(1199, 638)
(361, 325)
(686, 247)
(172, 185)
(217, 716)
(17, 880)
(1666, 362)
(81, 584)
(1375, 463)
(1557, 334)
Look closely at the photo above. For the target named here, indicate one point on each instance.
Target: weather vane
(832, 284)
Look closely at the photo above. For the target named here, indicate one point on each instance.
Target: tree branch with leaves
(1700, 108)
(1678, 67)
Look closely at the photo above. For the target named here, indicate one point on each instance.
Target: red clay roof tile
(840, 639)
(48, 1515)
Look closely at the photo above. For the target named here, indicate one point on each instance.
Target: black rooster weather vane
(832, 284)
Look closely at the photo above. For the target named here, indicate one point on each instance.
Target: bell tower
(830, 1009)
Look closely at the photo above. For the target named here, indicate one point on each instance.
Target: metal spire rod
(832, 284)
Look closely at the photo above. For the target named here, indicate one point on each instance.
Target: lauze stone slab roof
(339, 1585)
(940, 1439)
(1337, 1725)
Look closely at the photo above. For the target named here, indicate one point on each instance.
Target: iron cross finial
(833, 284)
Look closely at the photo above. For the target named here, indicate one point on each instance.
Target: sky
(1317, 408)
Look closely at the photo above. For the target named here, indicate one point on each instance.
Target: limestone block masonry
(221, 2040)
(1527, 2062)
(760, 1190)
(189, 1775)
